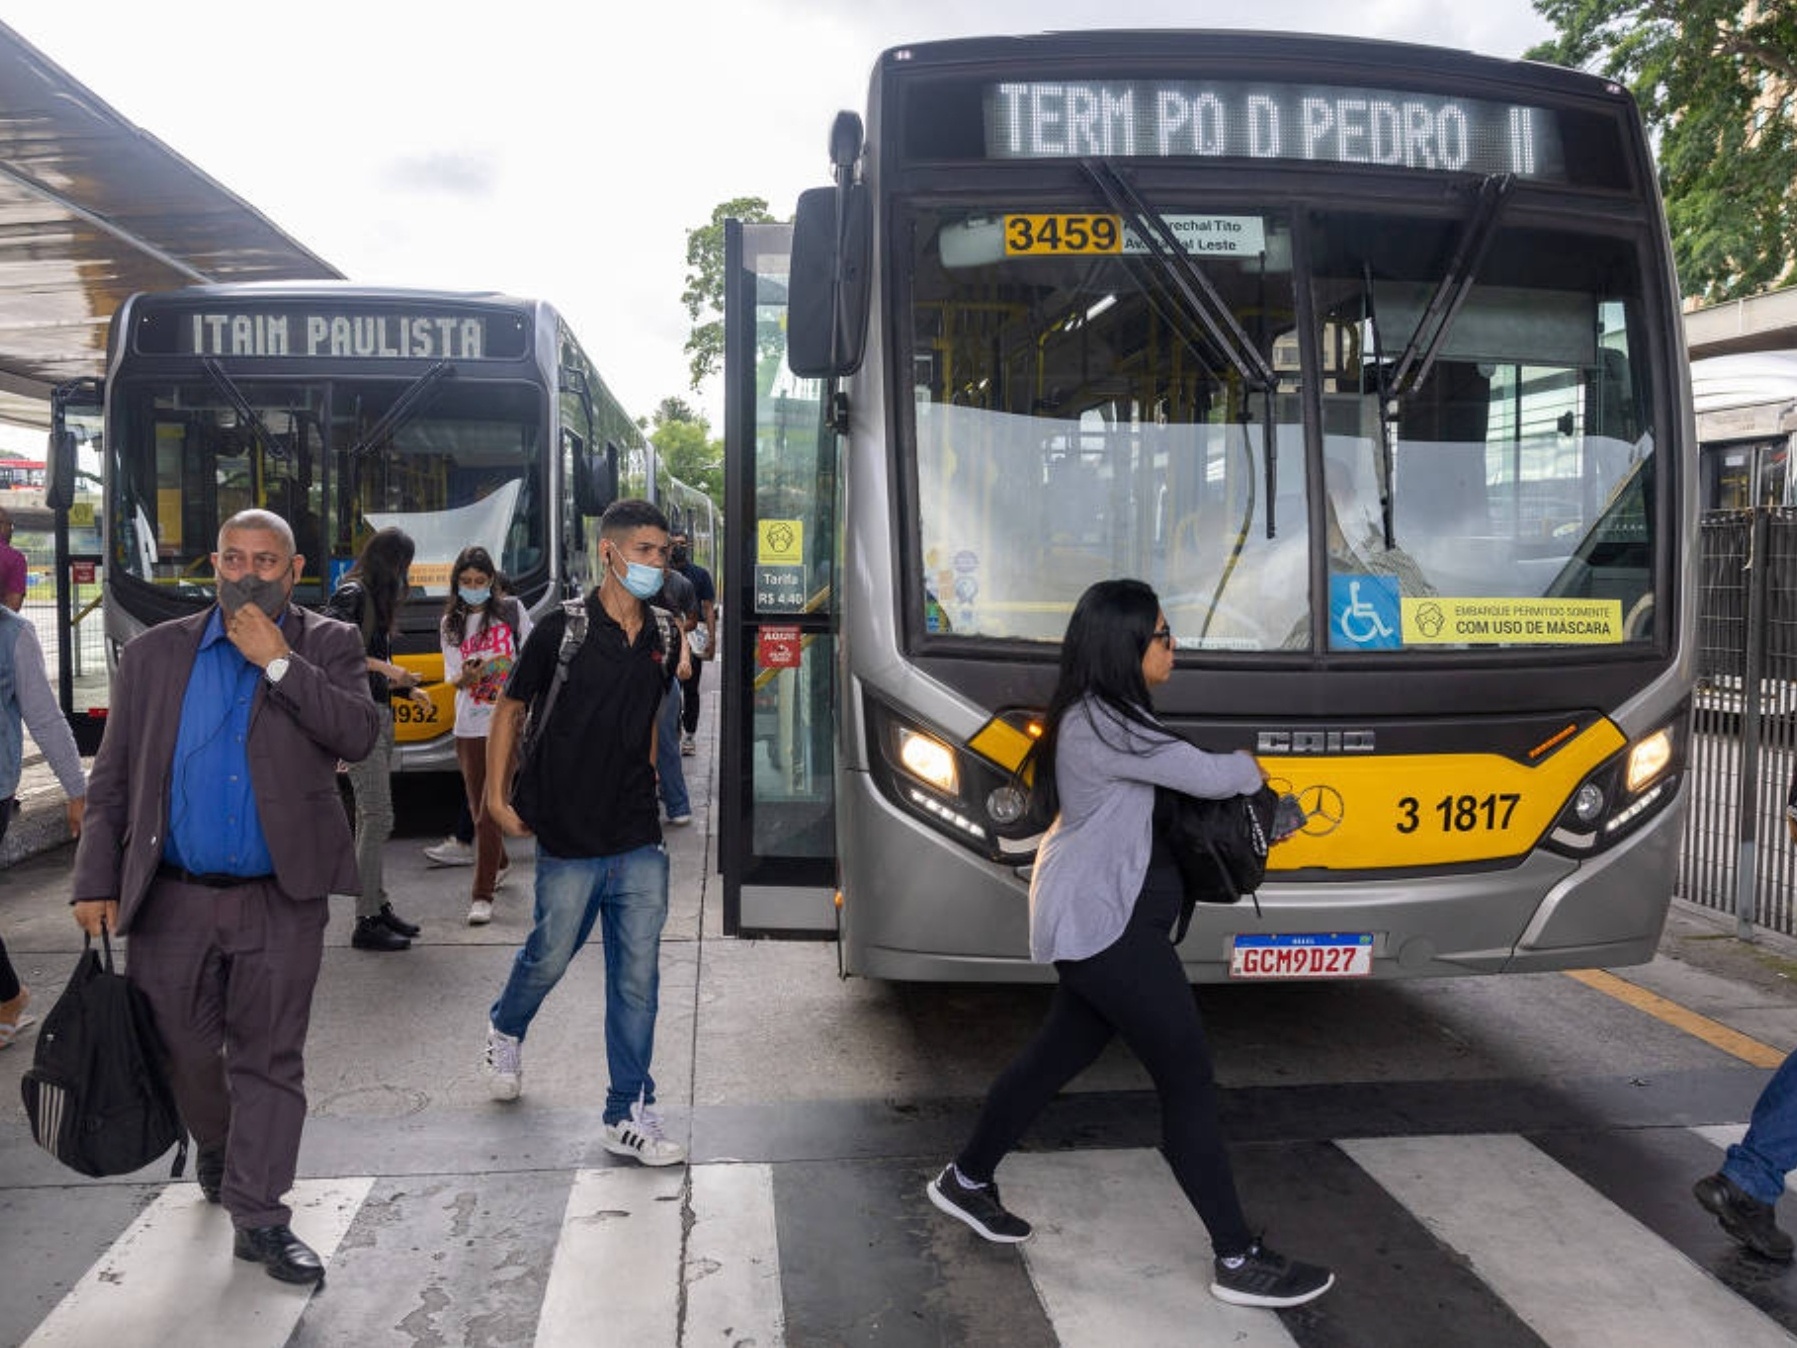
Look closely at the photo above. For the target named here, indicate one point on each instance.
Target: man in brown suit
(213, 833)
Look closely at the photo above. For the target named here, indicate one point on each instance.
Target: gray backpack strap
(573, 635)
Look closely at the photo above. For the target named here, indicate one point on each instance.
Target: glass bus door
(777, 840)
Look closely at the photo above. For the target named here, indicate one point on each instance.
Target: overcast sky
(558, 150)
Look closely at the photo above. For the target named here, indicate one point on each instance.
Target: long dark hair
(456, 609)
(1101, 658)
(381, 571)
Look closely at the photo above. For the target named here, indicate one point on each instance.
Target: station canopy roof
(92, 210)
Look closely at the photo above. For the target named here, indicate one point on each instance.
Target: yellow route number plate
(1054, 235)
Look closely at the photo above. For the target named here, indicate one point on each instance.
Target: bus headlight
(960, 792)
(1648, 759)
(928, 759)
(1623, 793)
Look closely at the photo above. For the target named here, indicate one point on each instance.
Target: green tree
(1717, 84)
(704, 293)
(682, 438)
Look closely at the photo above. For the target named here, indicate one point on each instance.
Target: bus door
(72, 493)
(777, 838)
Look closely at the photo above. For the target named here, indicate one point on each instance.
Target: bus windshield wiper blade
(1372, 319)
(1456, 282)
(241, 405)
(408, 405)
(1194, 288)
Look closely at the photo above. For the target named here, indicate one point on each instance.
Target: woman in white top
(1105, 895)
(483, 630)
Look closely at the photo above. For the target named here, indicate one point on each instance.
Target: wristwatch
(276, 669)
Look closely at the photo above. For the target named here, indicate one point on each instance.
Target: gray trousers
(372, 782)
(229, 975)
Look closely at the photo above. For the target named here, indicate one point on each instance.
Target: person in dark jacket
(212, 836)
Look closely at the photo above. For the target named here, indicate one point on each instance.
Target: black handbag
(97, 1091)
(1220, 847)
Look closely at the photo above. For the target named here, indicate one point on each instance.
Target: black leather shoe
(373, 934)
(1753, 1223)
(209, 1170)
(282, 1253)
(395, 923)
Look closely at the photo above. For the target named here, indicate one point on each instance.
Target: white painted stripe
(1578, 1269)
(733, 1259)
(616, 1273)
(171, 1277)
(1118, 1255)
(1724, 1135)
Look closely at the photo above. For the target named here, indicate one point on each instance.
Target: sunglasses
(1164, 635)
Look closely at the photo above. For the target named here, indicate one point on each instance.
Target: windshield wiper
(1198, 296)
(1193, 292)
(1456, 283)
(406, 406)
(241, 405)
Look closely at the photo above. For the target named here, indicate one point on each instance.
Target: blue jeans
(1759, 1161)
(674, 798)
(628, 895)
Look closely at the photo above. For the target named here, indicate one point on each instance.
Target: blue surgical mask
(642, 581)
(474, 598)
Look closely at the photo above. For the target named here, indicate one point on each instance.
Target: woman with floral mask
(482, 631)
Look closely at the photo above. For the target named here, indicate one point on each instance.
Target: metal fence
(1738, 856)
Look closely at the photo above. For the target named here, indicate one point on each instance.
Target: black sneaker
(1753, 1223)
(978, 1207)
(1262, 1278)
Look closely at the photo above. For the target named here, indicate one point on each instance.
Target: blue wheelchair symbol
(1364, 613)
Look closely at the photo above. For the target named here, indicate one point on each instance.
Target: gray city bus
(1367, 356)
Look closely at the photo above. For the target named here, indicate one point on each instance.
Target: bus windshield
(451, 462)
(1087, 401)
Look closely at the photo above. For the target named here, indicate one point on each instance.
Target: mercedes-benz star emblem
(1323, 810)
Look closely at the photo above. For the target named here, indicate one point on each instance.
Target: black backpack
(1220, 846)
(97, 1092)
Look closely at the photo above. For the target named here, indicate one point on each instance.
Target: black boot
(395, 923)
(373, 934)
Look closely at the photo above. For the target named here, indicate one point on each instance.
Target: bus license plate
(1301, 955)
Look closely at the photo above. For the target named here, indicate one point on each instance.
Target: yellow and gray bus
(1367, 356)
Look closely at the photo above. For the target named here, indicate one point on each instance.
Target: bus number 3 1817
(1461, 814)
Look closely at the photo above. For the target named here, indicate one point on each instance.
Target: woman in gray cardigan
(1103, 902)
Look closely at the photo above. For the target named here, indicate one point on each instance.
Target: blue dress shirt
(213, 823)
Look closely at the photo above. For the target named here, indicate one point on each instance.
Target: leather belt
(209, 879)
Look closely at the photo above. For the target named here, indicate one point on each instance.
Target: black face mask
(678, 556)
(268, 595)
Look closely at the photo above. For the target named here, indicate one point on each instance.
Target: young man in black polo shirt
(588, 793)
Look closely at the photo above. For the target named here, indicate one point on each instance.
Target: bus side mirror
(827, 297)
(596, 480)
(59, 479)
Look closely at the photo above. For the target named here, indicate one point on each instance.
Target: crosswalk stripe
(176, 1259)
(1118, 1255)
(732, 1271)
(1575, 1267)
(615, 1268)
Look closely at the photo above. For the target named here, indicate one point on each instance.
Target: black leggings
(9, 977)
(1135, 988)
(689, 698)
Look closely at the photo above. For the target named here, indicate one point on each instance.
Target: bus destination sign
(297, 331)
(1164, 119)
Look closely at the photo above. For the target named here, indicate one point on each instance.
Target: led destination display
(1311, 123)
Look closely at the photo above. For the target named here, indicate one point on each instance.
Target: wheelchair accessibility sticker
(1364, 613)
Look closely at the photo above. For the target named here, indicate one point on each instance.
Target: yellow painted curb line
(1712, 1032)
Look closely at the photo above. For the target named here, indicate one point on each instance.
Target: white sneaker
(641, 1136)
(679, 820)
(503, 1065)
(452, 851)
(688, 747)
(501, 876)
(480, 912)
